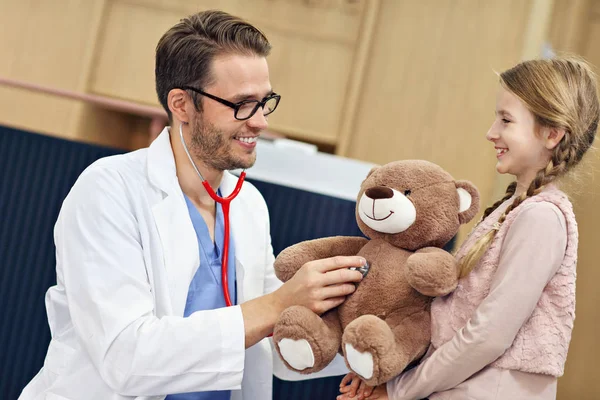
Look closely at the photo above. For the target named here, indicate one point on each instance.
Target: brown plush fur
(388, 314)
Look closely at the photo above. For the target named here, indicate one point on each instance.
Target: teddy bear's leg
(378, 352)
(305, 341)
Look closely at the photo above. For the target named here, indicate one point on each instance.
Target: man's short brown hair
(185, 52)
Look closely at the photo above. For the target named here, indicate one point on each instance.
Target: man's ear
(553, 136)
(468, 197)
(178, 101)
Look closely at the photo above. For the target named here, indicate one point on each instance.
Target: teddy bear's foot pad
(361, 363)
(297, 353)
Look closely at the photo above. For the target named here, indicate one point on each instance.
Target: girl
(504, 332)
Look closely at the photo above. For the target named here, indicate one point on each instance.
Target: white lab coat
(126, 252)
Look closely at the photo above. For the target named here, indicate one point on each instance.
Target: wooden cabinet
(55, 44)
(576, 28)
(429, 88)
(51, 44)
(313, 42)
(371, 79)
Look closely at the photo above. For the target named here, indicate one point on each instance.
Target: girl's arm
(532, 252)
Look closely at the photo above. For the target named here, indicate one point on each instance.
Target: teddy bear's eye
(407, 192)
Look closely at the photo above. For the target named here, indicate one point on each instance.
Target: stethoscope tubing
(225, 205)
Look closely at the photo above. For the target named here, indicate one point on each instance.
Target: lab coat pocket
(58, 357)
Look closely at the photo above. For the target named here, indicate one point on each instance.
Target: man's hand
(321, 285)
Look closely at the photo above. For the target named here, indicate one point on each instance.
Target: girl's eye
(506, 121)
(407, 192)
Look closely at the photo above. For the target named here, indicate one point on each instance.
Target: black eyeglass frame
(236, 106)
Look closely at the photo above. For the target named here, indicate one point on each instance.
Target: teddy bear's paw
(297, 353)
(361, 363)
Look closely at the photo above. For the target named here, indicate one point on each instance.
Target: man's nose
(258, 120)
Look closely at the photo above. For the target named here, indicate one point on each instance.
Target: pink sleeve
(532, 252)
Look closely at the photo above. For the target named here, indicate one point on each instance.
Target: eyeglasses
(245, 109)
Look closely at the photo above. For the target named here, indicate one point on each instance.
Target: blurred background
(366, 80)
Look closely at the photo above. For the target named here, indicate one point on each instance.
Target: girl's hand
(353, 388)
(380, 393)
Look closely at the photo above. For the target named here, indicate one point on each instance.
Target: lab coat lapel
(175, 228)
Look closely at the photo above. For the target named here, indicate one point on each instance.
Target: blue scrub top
(206, 289)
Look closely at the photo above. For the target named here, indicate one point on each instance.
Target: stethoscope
(225, 202)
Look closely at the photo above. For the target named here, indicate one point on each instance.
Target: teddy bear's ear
(375, 168)
(469, 201)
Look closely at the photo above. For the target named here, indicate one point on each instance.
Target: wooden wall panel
(125, 55)
(569, 27)
(576, 28)
(581, 372)
(48, 43)
(429, 90)
(313, 48)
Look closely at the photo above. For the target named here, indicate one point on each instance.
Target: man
(138, 309)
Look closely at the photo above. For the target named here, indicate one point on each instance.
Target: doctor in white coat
(127, 249)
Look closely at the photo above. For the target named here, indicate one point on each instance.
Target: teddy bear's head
(414, 204)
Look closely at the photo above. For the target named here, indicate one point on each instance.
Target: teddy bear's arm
(432, 271)
(292, 258)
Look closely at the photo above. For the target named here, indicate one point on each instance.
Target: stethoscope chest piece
(364, 269)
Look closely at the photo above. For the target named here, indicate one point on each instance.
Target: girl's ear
(553, 136)
(468, 201)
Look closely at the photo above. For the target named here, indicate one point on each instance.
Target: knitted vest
(542, 342)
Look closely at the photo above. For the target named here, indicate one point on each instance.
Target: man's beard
(213, 147)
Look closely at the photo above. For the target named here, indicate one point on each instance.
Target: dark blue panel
(313, 389)
(36, 173)
(297, 215)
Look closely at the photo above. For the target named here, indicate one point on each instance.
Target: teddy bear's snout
(379, 192)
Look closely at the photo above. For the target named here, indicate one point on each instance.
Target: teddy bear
(407, 210)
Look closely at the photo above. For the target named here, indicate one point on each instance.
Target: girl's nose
(491, 134)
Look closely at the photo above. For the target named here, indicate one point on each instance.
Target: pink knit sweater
(541, 344)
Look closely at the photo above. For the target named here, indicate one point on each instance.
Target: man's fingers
(337, 262)
(343, 275)
(328, 304)
(340, 290)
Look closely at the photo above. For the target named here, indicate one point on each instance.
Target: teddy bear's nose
(379, 192)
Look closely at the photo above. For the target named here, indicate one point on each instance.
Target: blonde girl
(504, 333)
